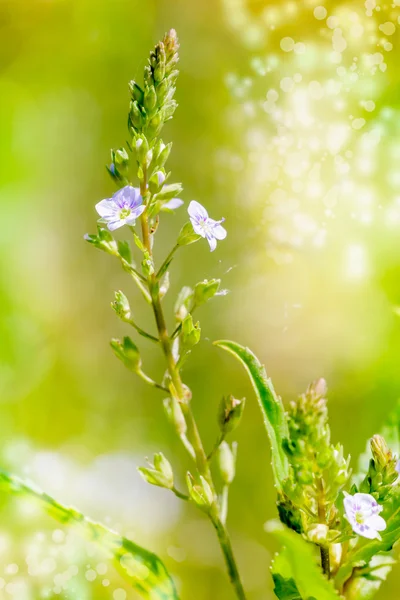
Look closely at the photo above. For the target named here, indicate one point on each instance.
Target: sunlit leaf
(141, 568)
(295, 570)
(271, 406)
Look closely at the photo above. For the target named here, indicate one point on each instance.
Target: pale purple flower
(204, 226)
(362, 512)
(123, 208)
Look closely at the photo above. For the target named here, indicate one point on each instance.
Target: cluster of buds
(382, 472)
(152, 106)
(318, 469)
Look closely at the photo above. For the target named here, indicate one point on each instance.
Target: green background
(72, 419)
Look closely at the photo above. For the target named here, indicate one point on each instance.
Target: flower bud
(227, 462)
(230, 413)
(200, 493)
(160, 473)
(170, 191)
(121, 306)
(183, 303)
(164, 154)
(128, 353)
(136, 92)
(205, 290)
(380, 451)
(175, 415)
(187, 235)
(318, 533)
(156, 182)
(150, 98)
(135, 116)
(191, 333)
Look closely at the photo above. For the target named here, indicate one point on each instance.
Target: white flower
(204, 226)
(362, 512)
(123, 208)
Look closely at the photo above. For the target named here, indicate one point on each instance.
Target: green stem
(151, 381)
(226, 547)
(323, 550)
(192, 429)
(179, 494)
(166, 262)
(142, 331)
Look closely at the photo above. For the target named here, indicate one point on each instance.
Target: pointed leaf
(298, 569)
(141, 568)
(271, 406)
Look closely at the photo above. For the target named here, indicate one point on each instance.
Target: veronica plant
(338, 529)
(140, 210)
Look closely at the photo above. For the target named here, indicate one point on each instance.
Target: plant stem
(324, 550)
(226, 547)
(193, 434)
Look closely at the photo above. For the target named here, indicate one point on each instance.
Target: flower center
(124, 213)
(359, 517)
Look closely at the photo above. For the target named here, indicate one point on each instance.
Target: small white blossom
(204, 226)
(362, 512)
(123, 208)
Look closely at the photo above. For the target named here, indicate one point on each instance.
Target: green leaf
(142, 569)
(295, 570)
(271, 406)
(285, 585)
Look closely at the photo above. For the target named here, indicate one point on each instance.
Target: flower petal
(376, 522)
(112, 225)
(106, 208)
(213, 243)
(196, 210)
(219, 232)
(172, 204)
(197, 228)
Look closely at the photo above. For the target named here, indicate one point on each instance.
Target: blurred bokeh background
(288, 126)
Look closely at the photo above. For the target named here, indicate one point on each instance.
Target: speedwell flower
(123, 208)
(362, 512)
(204, 226)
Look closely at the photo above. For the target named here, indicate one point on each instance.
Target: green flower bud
(160, 473)
(227, 462)
(128, 353)
(230, 413)
(183, 303)
(170, 191)
(318, 533)
(156, 182)
(191, 333)
(142, 148)
(175, 415)
(200, 493)
(150, 98)
(135, 116)
(380, 451)
(136, 92)
(205, 290)
(187, 235)
(163, 155)
(121, 306)
(169, 110)
(164, 285)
